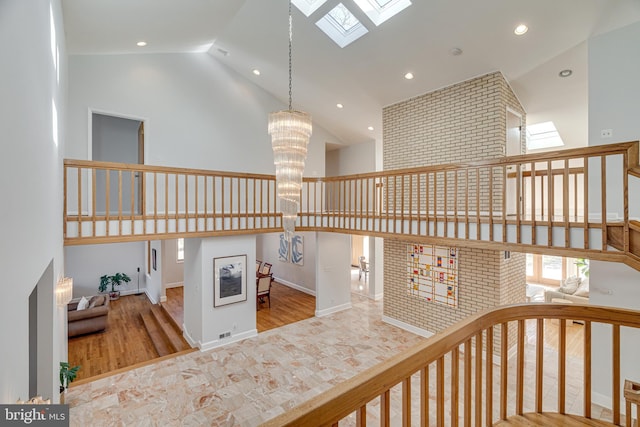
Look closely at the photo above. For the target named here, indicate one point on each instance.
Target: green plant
(583, 266)
(115, 280)
(67, 374)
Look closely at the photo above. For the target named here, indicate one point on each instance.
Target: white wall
(301, 277)
(172, 269)
(352, 159)
(31, 191)
(614, 67)
(198, 112)
(87, 263)
(333, 273)
(203, 322)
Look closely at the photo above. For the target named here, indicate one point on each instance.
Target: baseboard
(295, 286)
(188, 338)
(225, 341)
(173, 285)
(153, 301)
(163, 298)
(605, 401)
(378, 297)
(407, 327)
(331, 310)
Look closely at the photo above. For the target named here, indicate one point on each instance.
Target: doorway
(513, 148)
(121, 140)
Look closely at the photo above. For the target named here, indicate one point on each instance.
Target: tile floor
(245, 383)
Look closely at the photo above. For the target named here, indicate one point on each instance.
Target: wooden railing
(551, 202)
(473, 391)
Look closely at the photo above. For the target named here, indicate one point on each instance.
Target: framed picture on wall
(229, 280)
(154, 265)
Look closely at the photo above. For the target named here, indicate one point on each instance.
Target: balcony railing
(475, 390)
(553, 202)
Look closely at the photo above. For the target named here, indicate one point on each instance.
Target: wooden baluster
(550, 192)
(562, 365)
(133, 200)
(361, 416)
(616, 374)
(478, 381)
(533, 203)
(445, 192)
(424, 396)
(246, 203)
(477, 203)
(206, 202)
(427, 202)
(625, 199)
(518, 201)
(455, 380)
(575, 197)
(166, 202)
(406, 402)
(585, 208)
(490, 204)
(504, 361)
(186, 202)
(395, 203)
(565, 202)
(488, 387)
(539, 363)
(455, 205)
(520, 369)
(119, 203)
(362, 199)
(410, 203)
(419, 196)
(467, 383)
(504, 203)
(603, 189)
(79, 213)
(177, 200)
(93, 200)
(385, 409)
(155, 202)
(222, 212)
(587, 369)
(440, 392)
(435, 203)
(107, 199)
(466, 205)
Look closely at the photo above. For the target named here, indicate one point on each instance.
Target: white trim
(163, 298)
(378, 297)
(173, 285)
(407, 327)
(331, 310)
(153, 301)
(295, 286)
(187, 337)
(225, 341)
(604, 400)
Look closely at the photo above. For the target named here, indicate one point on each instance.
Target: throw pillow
(570, 285)
(83, 304)
(96, 301)
(583, 289)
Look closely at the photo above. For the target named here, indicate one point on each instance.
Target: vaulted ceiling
(369, 74)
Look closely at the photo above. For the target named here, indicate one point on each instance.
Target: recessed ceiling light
(256, 71)
(408, 76)
(521, 29)
(565, 73)
(456, 51)
(339, 105)
(370, 128)
(141, 43)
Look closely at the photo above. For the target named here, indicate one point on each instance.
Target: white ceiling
(368, 74)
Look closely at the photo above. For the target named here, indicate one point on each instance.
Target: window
(381, 10)
(308, 6)
(341, 25)
(180, 246)
(550, 270)
(543, 135)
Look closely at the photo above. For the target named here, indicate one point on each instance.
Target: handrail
(351, 395)
(534, 202)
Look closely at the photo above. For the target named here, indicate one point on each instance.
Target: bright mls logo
(35, 415)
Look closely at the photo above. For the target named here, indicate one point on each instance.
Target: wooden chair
(266, 269)
(364, 269)
(264, 290)
(258, 264)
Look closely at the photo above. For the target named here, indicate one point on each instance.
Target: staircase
(164, 332)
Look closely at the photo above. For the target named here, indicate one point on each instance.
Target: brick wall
(460, 123)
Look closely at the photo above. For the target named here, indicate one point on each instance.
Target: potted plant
(583, 266)
(115, 280)
(67, 375)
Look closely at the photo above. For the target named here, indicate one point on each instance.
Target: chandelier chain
(290, 61)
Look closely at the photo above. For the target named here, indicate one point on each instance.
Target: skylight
(381, 10)
(543, 135)
(341, 26)
(308, 6)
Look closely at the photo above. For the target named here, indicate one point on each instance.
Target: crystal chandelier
(64, 291)
(290, 131)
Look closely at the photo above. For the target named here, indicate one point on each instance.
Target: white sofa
(573, 289)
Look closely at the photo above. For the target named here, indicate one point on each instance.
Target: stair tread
(176, 341)
(170, 318)
(157, 336)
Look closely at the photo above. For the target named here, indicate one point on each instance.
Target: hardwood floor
(287, 306)
(174, 305)
(125, 342)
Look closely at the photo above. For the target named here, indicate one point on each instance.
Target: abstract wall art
(432, 273)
